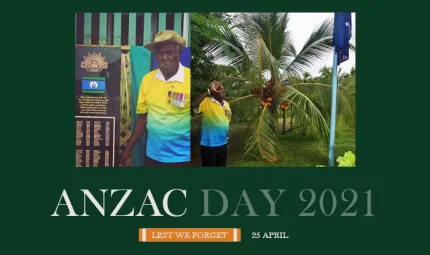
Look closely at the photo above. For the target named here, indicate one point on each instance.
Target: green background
(41, 55)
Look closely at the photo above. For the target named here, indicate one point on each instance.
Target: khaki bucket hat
(166, 36)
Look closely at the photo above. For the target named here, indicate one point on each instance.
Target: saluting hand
(214, 86)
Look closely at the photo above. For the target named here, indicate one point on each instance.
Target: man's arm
(139, 128)
(211, 89)
(229, 126)
(199, 100)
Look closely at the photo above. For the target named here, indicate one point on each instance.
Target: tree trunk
(283, 122)
(291, 118)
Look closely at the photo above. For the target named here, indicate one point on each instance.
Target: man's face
(220, 92)
(167, 56)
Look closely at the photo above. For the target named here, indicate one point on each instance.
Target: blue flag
(93, 84)
(342, 34)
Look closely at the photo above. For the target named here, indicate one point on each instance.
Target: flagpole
(333, 110)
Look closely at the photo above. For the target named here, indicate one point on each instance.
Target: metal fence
(126, 29)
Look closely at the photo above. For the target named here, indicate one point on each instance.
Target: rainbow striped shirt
(168, 106)
(215, 122)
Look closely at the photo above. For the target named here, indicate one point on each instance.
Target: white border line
(143, 234)
(234, 234)
(114, 138)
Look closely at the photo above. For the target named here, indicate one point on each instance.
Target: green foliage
(264, 144)
(244, 109)
(208, 33)
(254, 47)
(318, 90)
(296, 150)
(347, 160)
(326, 76)
(229, 19)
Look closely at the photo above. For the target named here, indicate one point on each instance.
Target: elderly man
(164, 106)
(216, 116)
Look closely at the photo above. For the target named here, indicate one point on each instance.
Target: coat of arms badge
(94, 62)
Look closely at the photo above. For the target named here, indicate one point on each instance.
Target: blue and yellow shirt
(167, 104)
(215, 122)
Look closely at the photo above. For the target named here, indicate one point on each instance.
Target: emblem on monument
(94, 62)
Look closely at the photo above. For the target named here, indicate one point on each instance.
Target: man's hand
(139, 129)
(126, 155)
(214, 87)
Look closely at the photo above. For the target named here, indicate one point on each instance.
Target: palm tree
(306, 77)
(260, 48)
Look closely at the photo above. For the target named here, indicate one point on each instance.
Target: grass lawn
(297, 150)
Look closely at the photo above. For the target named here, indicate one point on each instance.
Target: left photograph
(132, 89)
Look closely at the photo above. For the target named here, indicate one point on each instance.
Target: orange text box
(189, 235)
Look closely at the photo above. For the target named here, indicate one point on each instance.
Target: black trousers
(214, 156)
(152, 162)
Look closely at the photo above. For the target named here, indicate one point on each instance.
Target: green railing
(126, 29)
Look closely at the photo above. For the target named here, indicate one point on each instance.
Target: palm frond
(314, 49)
(320, 94)
(263, 142)
(265, 39)
(243, 108)
(227, 50)
(310, 112)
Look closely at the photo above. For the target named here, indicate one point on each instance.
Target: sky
(302, 24)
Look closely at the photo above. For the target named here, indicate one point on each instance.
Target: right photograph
(273, 89)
